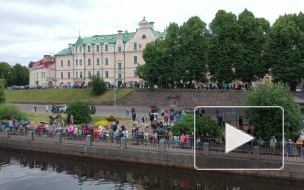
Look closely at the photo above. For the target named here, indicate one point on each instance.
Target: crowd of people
(150, 129)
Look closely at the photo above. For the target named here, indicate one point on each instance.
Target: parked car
(21, 87)
(62, 108)
(15, 87)
(186, 110)
(27, 87)
(51, 86)
(76, 86)
(39, 87)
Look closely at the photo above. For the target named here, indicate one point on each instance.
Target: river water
(29, 171)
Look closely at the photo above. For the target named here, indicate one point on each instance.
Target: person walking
(219, 121)
(127, 112)
(133, 116)
(35, 108)
(299, 146)
(273, 143)
(241, 122)
(47, 109)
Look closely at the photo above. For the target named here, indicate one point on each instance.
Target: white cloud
(33, 28)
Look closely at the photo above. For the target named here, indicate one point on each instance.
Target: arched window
(135, 45)
(144, 36)
(89, 48)
(80, 48)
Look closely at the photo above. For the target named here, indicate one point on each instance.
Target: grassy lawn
(61, 95)
(38, 117)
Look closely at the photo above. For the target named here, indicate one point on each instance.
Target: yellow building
(113, 57)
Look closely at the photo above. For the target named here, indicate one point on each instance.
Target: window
(61, 63)
(135, 58)
(135, 45)
(62, 75)
(76, 49)
(89, 61)
(69, 62)
(98, 62)
(80, 61)
(42, 75)
(80, 74)
(97, 48)
(89, 48)
(144, 36)
(119, 66)
(76, 62)
(119, 49)
(37, 76)
(119, 75)
(69, 76)
(89, 73)
(80, 48)
(76, 74)
(106, 74)
(106, 47)
(98, 73)
(135, 73)
(106, 61)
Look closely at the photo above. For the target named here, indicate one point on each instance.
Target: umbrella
(91, 126)
(44, 122)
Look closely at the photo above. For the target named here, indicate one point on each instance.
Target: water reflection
(29, 171)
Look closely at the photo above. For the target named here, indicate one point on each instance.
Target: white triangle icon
(235, 138)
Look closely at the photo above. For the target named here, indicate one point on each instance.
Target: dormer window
(89, 48)
(80, 48)
(144, 36)
(135, 45)
(106, 47)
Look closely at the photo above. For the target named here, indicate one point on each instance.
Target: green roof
(79, 41)
(67, 51)
(161, 34)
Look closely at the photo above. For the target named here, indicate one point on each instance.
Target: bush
(8, 111)
(98, 86)
(268, 121)
(81, 111)
(203, 125)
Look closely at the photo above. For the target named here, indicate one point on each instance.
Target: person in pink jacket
(182, 140)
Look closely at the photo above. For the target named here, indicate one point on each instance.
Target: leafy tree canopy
(81, 111)
(204, 125)
(268, 121)
(98, 86)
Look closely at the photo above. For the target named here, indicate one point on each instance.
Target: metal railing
(292, 152)
(71, 138)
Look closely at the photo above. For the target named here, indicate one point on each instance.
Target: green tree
(285, 49)
(204, 125)
(8, 111)
(20, 75)
(2, 95)
(249, 64)
(98, 86)
(268, 121)
(8, 74)
(222, 50)
(192, 50)
(81, 111)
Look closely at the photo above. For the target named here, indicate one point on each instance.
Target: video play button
(235, 138)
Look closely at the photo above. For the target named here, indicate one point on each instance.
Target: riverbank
(149, 177)
(157, 155)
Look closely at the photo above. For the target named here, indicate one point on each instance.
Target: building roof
(111, 38)
(67, 51)
(43, 65)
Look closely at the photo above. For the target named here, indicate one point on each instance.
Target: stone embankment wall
(292, 171)
(188, 99)
(184, 98)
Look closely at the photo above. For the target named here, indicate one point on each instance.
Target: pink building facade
(112, 57)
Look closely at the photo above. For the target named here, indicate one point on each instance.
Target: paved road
(100, 110)
(120, 110)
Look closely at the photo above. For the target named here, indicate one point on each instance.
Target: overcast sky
(33, 28)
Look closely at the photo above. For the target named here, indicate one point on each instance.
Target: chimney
(151, 25)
